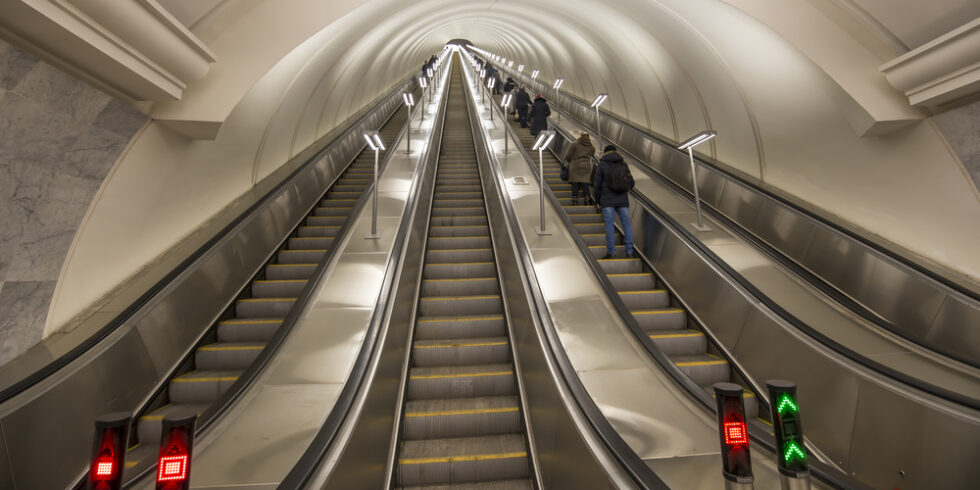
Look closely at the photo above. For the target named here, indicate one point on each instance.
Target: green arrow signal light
(786, 404)
(793, 451)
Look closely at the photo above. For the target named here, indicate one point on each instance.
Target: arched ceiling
(793, 88)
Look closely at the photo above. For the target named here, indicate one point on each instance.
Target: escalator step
(472, 286)
(458, 220)
(459, 230)
(149, 426)
(227, 356)
(460, 460)
(680, 342)
(633, 281)
(704, 369)
(319, 230)
(458, 242)
(459, 270)
(459, 352)
(248, 330)
(621, 266)
(290, 271)
(461, 417)
(277, 288)
(200, 386)
(524, 484)
(661, 319)
(460, 305)
(470, 210)
(326, 221)
(459, 255)
(310, 243)
(650, 299)
(461, 381)
(300, 256)
(445, 327)
(263, 307)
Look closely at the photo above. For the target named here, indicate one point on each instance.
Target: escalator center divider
(461, 422)
(259, 316)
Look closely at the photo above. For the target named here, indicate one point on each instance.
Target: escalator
(461, 424)
(238, 339)
(652, 307)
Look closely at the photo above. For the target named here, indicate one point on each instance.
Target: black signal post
(734, 435)
(176, 447)
(794, 473)
(109, 451)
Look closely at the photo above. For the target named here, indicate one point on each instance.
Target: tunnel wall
(58, 139)
(288, 72)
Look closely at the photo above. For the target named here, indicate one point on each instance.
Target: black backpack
(620, 178)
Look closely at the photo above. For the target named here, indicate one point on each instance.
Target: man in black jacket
(538, 115)
(522, 103)
(612, 203)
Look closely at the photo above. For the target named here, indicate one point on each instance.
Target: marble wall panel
(961, 127)
(23, 306)
(59, 138)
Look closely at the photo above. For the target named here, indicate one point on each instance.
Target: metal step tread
(483, 448)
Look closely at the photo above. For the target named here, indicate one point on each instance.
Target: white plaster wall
(673, 66)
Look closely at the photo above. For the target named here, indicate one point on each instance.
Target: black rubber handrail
(60, 362)
(248, 377)
(877, 247)
(759, 434)
(305, 467)
(641, 474)
(812, 279)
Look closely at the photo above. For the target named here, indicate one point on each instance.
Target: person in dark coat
(538, 115)
(497, 83)
(509, 85)
(522, 102)
(612, 203)
(579, 161)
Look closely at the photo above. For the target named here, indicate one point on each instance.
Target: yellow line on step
(202, 380)
(265, 300)
(454, 298)
(247, 322)
(702, 363)
(447, 346)
(460, 319)
(657, 312)
(644, 292)
(231, 347)
(469, 375)
(479, 411)
(461, 280)
(457, 459)
(676, 335)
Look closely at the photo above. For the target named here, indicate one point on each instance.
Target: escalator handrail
(305, 467)
(802, 272)
(641, 474)
(897, 257)
(800, 325)
(146, 298)
(826, 473)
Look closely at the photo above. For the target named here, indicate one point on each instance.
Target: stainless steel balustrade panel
(822, 249)
(119, 372)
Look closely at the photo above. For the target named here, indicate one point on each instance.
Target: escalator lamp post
(689, 145)
(505, 104)
(424, 84)
(544, 139)
(374, 142)
(490, 84)
(557, 87)
(176, 447)
(599, 99)
(734, 435)
(109, 451)
(409, 102)
(788, 430)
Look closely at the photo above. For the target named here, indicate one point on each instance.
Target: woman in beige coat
(578, 158)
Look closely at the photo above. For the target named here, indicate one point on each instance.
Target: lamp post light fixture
(374, 142)
(505, 104)
(409, 102)
(558, 83)
(534, 76)
(689, 145)
(599, 99)
(544, 139)
(520, 68)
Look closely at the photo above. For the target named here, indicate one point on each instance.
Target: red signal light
(108, 451)
(104, 469)
(172, 468)
(174, 463)
(736, 433)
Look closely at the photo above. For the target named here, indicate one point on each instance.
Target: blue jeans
(609, 216)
